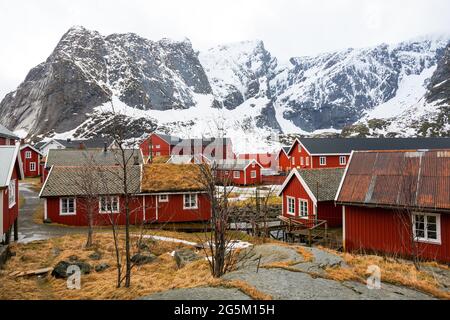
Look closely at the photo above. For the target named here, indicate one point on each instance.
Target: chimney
(105, 147)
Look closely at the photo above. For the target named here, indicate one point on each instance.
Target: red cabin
(397, 203)
(7, 138)
(283, 160)
(10, 174)
(308, 195)
(239, 172)
(173, 193)
(313, 153)
(31, 161)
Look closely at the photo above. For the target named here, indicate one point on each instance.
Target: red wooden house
(165, 145)
(239, 172)
(397, 203)
(10, 174)
(308, 195)
(311, 153)
(70, 191)
(283, 160)
(173, 193)
(7, 138)
(31, 161)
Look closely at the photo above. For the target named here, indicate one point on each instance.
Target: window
(303, 205)
(163, 198)
(109, 205)
(307, 161)
(427, 227)
(253, 174)
(190, 201)
(293, 161)
(158, 146)
(236, 174)
(32, 166)
(299, 148)
(12, 193)
(342, 160)
(291, 206)
(323, 161)
(67, 207)
(28, 154)
(302, 161)
(227, 173)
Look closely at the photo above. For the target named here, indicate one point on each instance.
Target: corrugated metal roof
(8, 156)
(76, 181)
(4, 132)
(70, 157)
(346, 146)
(418, 179)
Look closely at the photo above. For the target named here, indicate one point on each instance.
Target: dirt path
(29, 230)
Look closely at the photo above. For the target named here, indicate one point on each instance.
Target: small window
(190, 201)
(32, 166)
(12, 193)
(293, 161)
(302, 161)
(307, 161)
(158, 154)
(163, 198)
(109, 205)
(291, 206)
(227, 173)
(427, 227)
(323, 161)
(67, 207)
(299, 148)
(236, 174)
(303, 205)
(28, 154)
(253, 174)
(342, 160)
(158, 146)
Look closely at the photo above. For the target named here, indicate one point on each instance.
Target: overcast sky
(29, 30)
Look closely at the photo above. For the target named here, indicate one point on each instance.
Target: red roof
(417, 179)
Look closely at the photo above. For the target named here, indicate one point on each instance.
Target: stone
(95, 255)
(200, 293)
(269, 253)
(185, 256)
(102, 267)
(73, 258)
(141, 259)
(60, 270)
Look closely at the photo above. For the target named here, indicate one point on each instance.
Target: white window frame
(158, 154)
(163, 198)
(324, 162)
(300, 208)
(302, 161)
(236, 174)
(112, 210)
(253, 174)
(288, 208)
(158, 146)
(299, 147)
(67, 213)
(307, 161)
(227, 173)
(190, 207)
(32, 166)
(425, 239)
(12, 197)
(27, 154)
(342, 160)
(293, 161)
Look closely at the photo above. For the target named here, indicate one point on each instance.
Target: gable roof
(74, 157)
(323, 146)
(39, 145)
(323, 183)
(285, 150)
(5, 133)
(160, 178)
(234, 164)
(417, 179)
(72, 181)
(8, 159)
(31, 147)
(171, 140)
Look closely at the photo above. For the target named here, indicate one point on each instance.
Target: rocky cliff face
(239, 89)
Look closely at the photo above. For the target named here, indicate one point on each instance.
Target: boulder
(141, 258)
(60, 270)
(184, 256)
(95, 255)
(102, 267)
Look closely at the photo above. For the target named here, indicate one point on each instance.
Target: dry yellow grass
(392, 271)
(158, 276)
(244, 287)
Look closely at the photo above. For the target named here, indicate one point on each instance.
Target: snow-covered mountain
(239, 90)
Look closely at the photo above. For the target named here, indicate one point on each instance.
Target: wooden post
(16, 230)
